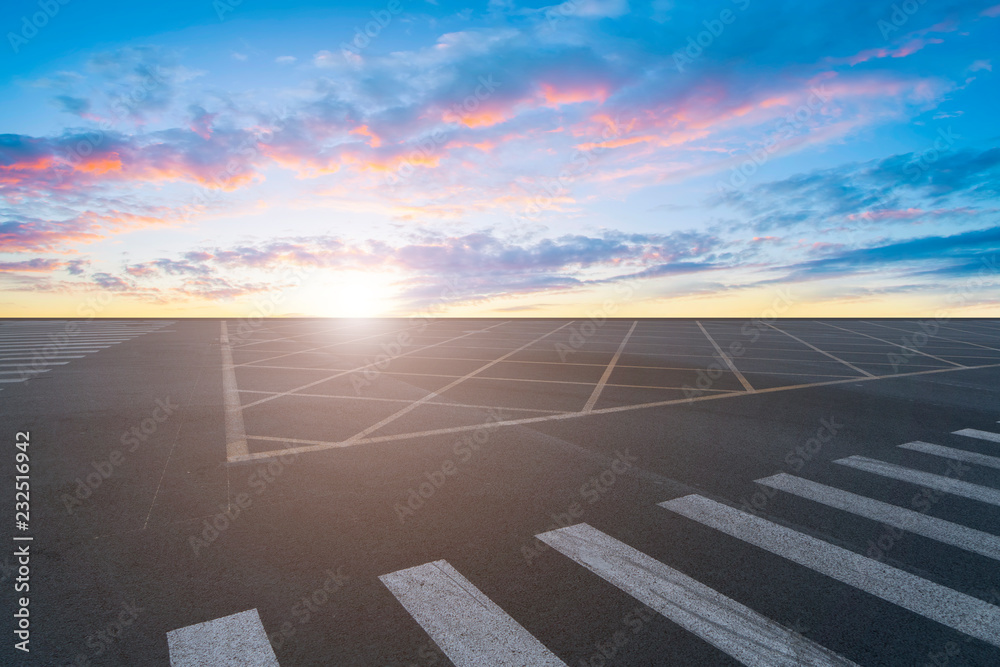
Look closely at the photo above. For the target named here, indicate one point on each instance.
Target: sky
(596, 158)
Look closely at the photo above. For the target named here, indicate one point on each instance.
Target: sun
(356, 294)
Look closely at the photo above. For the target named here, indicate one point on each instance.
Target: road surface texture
(505, 492)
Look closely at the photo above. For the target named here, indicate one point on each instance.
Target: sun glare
(355, 295)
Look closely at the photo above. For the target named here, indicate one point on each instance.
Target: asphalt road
(338, 492)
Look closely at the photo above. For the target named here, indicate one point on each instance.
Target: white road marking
(956, 610)
(846, 363)
(468, 627)
(434, 394)
(919, 523)
(726, 624)
(354, 370)
(954, 454)
(725, 357)
(318, 445)
(937, 337)
(443, 404)
(956, 487)
(238, 640)
(889, 342)
(607, 371)
(981, 435)
(236, 436)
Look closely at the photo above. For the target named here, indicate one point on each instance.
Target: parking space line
(954, 454)
(607, 371)
(889, 342)
(731, 627)
(976, 433)
(323, 347)
(939, 337)
(236, 437)
(359, 368)
(909, 520)
(725, 357)
(407, 400)
(957, 487)
(316, 445)
(846, 363)
(956, 610)
(465, 624)
(238, 640)
(412, 406)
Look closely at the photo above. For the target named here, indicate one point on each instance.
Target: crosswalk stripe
(939, 482)
(954, 454)
(947, 532)
(238, 640)
(468, 627)
(726, 624)
(982, 435)
(956, 610)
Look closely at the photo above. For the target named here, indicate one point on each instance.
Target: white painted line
(918, 523)
(981, 435)
(43, 359)
(958, 611)
(354, 370)
(315, 446)
(726, 624)
(324, 347)
(937, 337)
(29, 371)
(47, 363)
(467, 626)
(939, 482)
(12, 381)
(725, 357)
(236, 436)
(434, 394)
(607, 371)
(954, 454)
(443, 404)
(846, 363)
(238, 640)
(889, 342)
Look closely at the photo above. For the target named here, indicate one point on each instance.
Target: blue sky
(389, 158)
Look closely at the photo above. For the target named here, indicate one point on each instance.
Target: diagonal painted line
(918, 523)
(323, 347)
(361, 368)
(889, 342)
(319, 445)
(846, 363)
(607, 371)
(470, 629)
(964, 613)
(238, 640)
(725, 357)
(733, 628)
(956, 487)
(434, 394)
(236, 436)
(287, 338)
(937, 336)
(954, 454)
(976, 433)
